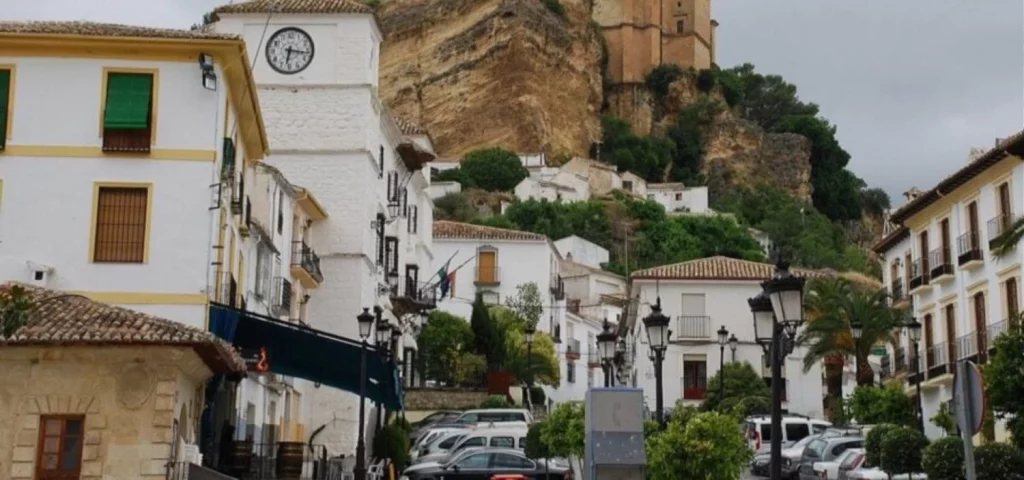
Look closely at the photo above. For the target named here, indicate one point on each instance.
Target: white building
(938, 261)
(145, 201)
(317, 75)
(678, 198)
(700, 296)
(494, 262)
(581, 250)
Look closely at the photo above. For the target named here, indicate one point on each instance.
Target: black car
(484, 464)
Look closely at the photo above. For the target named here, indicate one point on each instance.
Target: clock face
(289, 50)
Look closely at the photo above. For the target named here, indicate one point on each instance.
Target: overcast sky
(911, 84)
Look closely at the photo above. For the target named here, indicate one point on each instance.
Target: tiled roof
(409, 128)
(108, 30)
(294, 6)
(58, 318)
(570, 268)
(448, 229)
(717, 268)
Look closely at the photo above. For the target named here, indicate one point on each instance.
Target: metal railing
(593, 356)
(938, 359)
(572, 348)
(973, 346)
(282, 296)
(306, 258)
(227, 291)
(422, 292)
(968, 248)
(899, 360)
(997, 226)
(692, 327)
(941, 262)
(488, 275)
(919, 273)
(997, 329)
(896, 290)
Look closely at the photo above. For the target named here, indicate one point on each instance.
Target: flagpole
(445, 265)
(463, 264)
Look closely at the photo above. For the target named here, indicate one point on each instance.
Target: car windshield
(851, 460)
(817, 447)
(804, 441)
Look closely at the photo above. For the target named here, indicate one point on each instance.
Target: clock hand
(289, 51)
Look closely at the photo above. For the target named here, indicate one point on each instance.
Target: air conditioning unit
(39, 275)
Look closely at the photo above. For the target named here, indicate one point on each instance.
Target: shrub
(404, 424)
(495, 401)
(901, 450)
(392, 442)
(873, 442)
(554, 6)
(660, 77)
(998, 461)
(535, 446)
(706, 81)
(944, 459)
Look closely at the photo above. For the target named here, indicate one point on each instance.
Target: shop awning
(299, 351)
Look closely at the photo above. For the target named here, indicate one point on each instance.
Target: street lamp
(528, 333)
(656, 325)
(365, 320)
(914, 332)
(778, 313)
(733, 343)
(723, 338)
(606, 341)
(383, 334)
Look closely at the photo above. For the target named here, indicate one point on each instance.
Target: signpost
(614, 434)
(969, 407)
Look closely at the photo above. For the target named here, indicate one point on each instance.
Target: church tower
(642, 34)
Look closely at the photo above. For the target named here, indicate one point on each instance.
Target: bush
(554, 6)
(492, 169)
(495, 401)
(392, 442)
(404, 424)
(873, 442)
(706, 81)
(944, 459)
(535, 446)
(660, 77)
(901, 450)
(999, 461)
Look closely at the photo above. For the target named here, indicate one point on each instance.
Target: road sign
(970, 415)
(615, 434)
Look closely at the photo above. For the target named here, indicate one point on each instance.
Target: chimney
(999, 141)
(911, 194)
(974, 154)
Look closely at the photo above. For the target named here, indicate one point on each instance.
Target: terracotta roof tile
(448, 229)
(409, 128)
(570, 268)
(718, 268)
(109, 30)
(294, 6)
(59, 318)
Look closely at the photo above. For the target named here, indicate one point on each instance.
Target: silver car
(825, 450)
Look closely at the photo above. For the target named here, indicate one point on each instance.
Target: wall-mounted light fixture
(209, 77)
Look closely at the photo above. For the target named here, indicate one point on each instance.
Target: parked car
(852, 463)
(825, 450)
(761, 463)
(483, 464)
(437, 417)
(758, 430)
(440, 445)
(482, 437)
(830, 469)
(495, 415)
(431, 435)
(878, 474)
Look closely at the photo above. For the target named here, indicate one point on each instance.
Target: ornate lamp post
(382, 334)
(778, 312)
(723, 338)
(733, 343)
(606, 341)
(365, 320)
(656, 325)
(528, 333)
(914, 333)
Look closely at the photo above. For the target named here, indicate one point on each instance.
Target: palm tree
(832, 305)
(1008, 240)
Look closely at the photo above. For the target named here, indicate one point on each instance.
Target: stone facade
(131, 399)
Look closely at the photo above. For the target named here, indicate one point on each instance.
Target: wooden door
(944, 227)
(907, 273)
(1004, 200)
(951, 339)
(487, 271)
(972, 221)
(924, 254)
(980, 325)
(1012, 303)
(929, 340)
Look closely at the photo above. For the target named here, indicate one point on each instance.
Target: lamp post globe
(383, 333)
(656, 326)
(786, 293)
(528, 333)
(723, 336)
(606, 341)
(733, 343)
(914, 330)
(856, 329)
(764, 319)
(365, 320)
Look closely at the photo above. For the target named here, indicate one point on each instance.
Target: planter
(289, 460)
(239, 458)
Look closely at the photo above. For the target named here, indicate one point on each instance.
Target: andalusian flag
(445, 278)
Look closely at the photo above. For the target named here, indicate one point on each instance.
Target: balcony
(593, 356)
(281, 302)
(558, 287)
(995, 330)
(413, 297)
(997, 226)
(695, 392)
(306, 265)
(227, 289)
(941, 261)
(919, 275)
(973, 347)
(556, 333)
(897, 295)
(692, 327)
(937, 357)
(572, 349)
(969, 254)
(899, 361)
(488, 276)
(917, 368)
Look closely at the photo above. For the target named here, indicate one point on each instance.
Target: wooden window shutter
(5, 93)
(380, 163)
(121, 224)
(128, 102)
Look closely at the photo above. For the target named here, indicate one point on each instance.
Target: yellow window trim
(154, 95)
(1, 193)
(182, 154)
(96, 186)
(946, 300)
(1007, 272)
(979, 286)
(145, 298)
(10, 99)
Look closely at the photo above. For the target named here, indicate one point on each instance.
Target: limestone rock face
(480, 73)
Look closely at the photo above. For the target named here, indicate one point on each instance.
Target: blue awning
(299, 351)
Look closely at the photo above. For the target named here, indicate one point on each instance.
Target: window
(381, 221)
(680, 26)
(413, 220)
(478, 461)
(280, 212)
(819, 428)
(60, 447)
(796, 431)
(503, 442)
(392, 186)
(522, 442)
(391, 256)
(679, 197)
(1012, 303)
(380, 163)
(570, 372)
(627, 186)
(120, 224)
(695, 379)
(5, 103)
(228, 155)
(473, 442)
(450, 441)
(507, 460)
(405, 203)
(264, 270)
(487, 267)
(128, 108)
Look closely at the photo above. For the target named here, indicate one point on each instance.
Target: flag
(444, 280)
(451, 282)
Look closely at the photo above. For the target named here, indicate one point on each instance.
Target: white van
(494, 415)
(758, 430)
(483, 437)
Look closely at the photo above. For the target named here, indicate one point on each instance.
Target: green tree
(442, 342)
(944, 459)
(832, 306)
(944, 419)
(543, 365)
(901, 450)
(648, 157)
(535, 446)
(999, 461)
(689, 136)
(492, 169)
(564, 432)
(767, 99)
(871, 405)
(742, 382)
(1004, 379)
(455, 206)
(487, 339)
(698, 446)
(660, 78)
(526, 303)
(15, 302)
(873, 442)
(495, 401)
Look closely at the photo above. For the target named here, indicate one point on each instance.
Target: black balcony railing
(899, 360)
(692, 327)
(973, 346)
(558, 287)
(421, 292)
(305, 257)
(282, 300)
(916, 368)
(919, 274)
(896, 290)
(941, 262)
(997, 226)
(227, 292)
(937, 360)
(968, 247)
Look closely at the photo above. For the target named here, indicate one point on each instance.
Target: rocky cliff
(509, 73)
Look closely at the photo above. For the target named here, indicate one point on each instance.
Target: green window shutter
(5, 94)
(228, 160)
(128, 101)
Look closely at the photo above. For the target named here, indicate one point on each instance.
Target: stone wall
(128, 397)
(432, 399)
